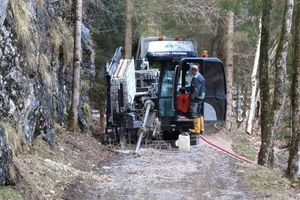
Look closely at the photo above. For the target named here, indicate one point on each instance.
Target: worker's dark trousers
(195, 109)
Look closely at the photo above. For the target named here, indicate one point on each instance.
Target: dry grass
(58, 129)
(62, 39)
(264, 183)
(23, 17)
(23, 23)
(16, 142)
(43, 69)
(61, 35)
(260, 181)
(243, 146)
(87, 111)
(40, 3)
(48, 172)
(85, 85)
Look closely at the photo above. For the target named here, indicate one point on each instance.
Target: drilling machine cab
(142, 94)
(173, 115)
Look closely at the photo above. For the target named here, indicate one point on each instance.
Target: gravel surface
(80, 168)
(203, 173)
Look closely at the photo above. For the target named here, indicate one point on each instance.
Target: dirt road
(79, 168)
(202, 173)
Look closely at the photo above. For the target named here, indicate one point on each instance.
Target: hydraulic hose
(232, 154)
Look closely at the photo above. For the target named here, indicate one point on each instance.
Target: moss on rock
(9, 193)
(87, 112)
(15, 141)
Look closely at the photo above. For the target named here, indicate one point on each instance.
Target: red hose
(228, 152)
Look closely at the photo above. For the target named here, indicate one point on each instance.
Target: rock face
(5, 158)
(36, 52)
(3, 6)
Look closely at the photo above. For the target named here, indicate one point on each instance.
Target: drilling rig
(142, 92)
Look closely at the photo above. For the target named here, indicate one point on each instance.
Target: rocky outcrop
(88, 74)
(36, 42)
(5, 158)
(3, 6)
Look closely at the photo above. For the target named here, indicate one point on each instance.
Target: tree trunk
(76, 68)
(256, 128)
(102, 121)
(254, 92)
(229, 67)
(279, 95)
(264, 84)
(128, 33)
(218, 43)
(293, 162)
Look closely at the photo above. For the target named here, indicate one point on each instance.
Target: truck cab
(151, 50)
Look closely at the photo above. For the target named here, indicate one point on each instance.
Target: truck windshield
(165, 46)
(169, 46)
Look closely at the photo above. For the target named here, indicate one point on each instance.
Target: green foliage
(253, 7)
(230, 5)
(193, 19)
(247, 13)
(97, 94)
(107, 24)
(188, 19)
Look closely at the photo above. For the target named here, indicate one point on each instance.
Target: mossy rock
(58, 128)
(16, 141)
(9, 193)
(85, 85)
(87, 112)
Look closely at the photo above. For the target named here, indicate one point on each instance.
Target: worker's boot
(201, 122)
(196, 129)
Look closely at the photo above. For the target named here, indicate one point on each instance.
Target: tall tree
(264, 84)
(76, 67)
(254, 85)
(294, 157)
(279, 95)
(229, 66)
(128, 33)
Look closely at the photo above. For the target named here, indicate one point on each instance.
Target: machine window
(166, 89)
(167, 84)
